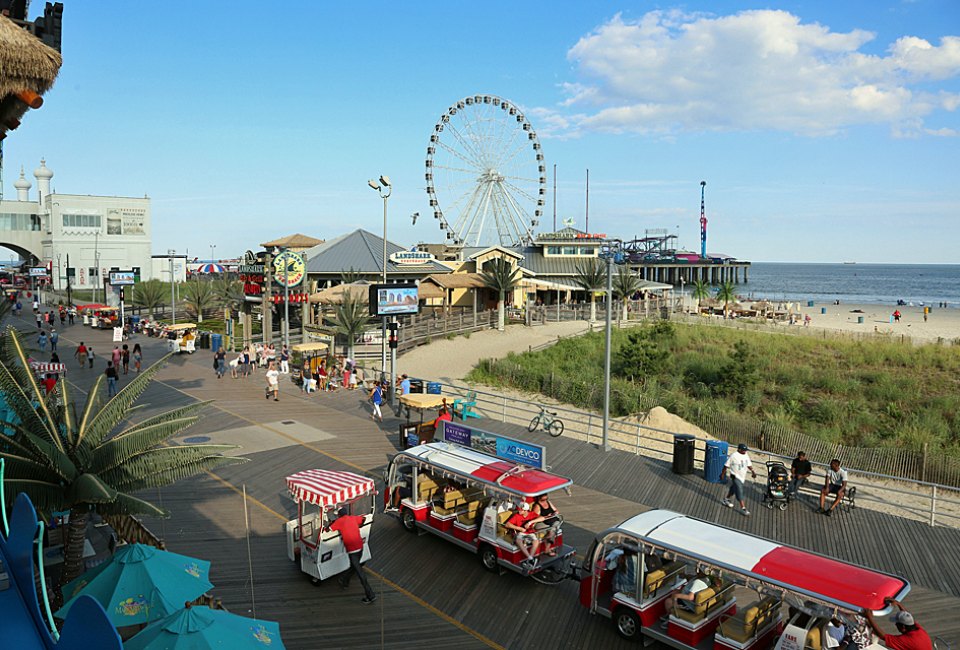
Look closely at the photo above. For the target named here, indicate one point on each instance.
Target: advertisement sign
(122, 278)
(394, 299)
(411, 257)
(511, 449)
(38, 271)
(289, 269)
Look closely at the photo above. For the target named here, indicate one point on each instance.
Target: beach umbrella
(199, 627)
(210, 268)
(140, 584)
(28, 68)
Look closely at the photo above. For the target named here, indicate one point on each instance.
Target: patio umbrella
(211, 268)
(359, 291)
(27, 70)
(140, 584)
(200, 627)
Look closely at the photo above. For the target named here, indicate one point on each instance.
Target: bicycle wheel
(534, 423)
(556, 428)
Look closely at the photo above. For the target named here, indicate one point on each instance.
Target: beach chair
(463, 406)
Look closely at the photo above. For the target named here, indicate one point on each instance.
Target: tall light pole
(173, 302)
(606, 355)
(96, 261)
(384, 189)
(212, 258)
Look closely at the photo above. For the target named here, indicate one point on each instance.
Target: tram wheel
(628, 623)
(408, 520)
(489, 559)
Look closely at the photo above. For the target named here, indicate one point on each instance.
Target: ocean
(928, 284)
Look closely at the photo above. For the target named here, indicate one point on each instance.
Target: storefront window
(569, 250)
(553, 250)
(81, 221)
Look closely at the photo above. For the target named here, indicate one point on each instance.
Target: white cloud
(669, 72)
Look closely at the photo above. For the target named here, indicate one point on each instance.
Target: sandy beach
(941, 324)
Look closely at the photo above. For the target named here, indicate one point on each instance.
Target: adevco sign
(517, 451)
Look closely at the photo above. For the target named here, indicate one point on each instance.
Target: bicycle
(548, 420)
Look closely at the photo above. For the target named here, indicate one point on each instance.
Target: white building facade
(94, 233)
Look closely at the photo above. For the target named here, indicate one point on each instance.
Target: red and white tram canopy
(824, 577)
(502, 474)
(41, 367)
(326, 488)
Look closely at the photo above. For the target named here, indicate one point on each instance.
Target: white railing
(932, 503)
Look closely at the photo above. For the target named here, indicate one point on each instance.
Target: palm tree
(701, 291)
(199, 296)
(625, 284)
(350, 276)
(727, 293)
(229, 293)
(350, 318)
(592, 276)
(5, 307)
(503, 278)
(150, 294)
(89, 463)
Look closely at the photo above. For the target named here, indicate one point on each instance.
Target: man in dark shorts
(836, 484)
(349, 528)
(800, 470)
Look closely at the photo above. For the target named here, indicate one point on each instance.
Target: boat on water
(849, 262)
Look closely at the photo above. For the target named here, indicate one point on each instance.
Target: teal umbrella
(140, 584)
(199, 627)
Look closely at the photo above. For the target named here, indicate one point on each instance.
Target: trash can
(204, 340)
(683, 447)
(216, 341)
(823, 310)
(416, 385)
(409, 436)
(433, 387)
(716, 458)
(809, 303)
(860, 319)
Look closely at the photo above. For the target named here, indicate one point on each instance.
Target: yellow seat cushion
(702, 601)
(742, 626)
(652, 581)
(814, 639)
(426, 487)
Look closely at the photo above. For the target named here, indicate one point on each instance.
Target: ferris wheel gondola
(485, 172)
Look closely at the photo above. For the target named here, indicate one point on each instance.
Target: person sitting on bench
(521, 523)
(800, 470)
(835, 483)
(686, 596)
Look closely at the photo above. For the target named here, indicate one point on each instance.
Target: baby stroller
(778, 484)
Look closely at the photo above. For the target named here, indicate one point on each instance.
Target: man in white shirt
(738, 464)
(835, 483)
(686, 597)
(273, 382)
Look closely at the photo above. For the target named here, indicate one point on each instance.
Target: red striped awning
(44, 366)
(324, 488)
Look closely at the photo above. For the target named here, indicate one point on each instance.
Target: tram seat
(706, 602)
(814, 639)
(672, 570)
(503, 532)
(468, 517)
(749, 620)
(653, 581)
(426, 487)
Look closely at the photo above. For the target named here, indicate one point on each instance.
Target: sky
(825, 131)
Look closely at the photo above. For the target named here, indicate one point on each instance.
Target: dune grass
(862, 393)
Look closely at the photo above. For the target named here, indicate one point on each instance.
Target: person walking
(285, 360)
(71, 313)
(81, 353)
(90, 355)
(349, 528)
(273, 382)
(36, 307)
(17, 309)
(111, 373)
(376, 397)
(115, 355)
(220, 362)
(42, 341)
(39, 322)
(738, 464)
(137, 357)
(54, 338)
(125, 358)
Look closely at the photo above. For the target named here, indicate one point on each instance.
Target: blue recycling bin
(216, 341)
(716, 458)
(433, 387)
(809, 303)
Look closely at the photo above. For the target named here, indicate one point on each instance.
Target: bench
(849, 501)
(706, 602)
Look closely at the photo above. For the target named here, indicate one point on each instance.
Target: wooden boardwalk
(434, 593)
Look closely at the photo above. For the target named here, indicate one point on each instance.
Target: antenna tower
(703, 223)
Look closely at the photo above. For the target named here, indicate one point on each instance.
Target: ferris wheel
(486, 178)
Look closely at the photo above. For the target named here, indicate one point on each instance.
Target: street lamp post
(384, 189)
(286, 302)
(173, 302)
(606, 357)
(96, 261)
(212, 258)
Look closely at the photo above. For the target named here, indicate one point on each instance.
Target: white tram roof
(842, 583)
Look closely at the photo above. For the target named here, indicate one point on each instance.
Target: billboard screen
(122, 278)
(394, 299)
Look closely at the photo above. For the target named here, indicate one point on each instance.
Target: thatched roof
(296, 242)
(359, 291)
(458, 280)
(25, 64)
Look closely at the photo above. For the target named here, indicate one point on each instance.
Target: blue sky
(825, 131)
